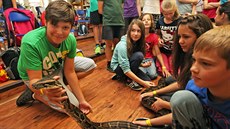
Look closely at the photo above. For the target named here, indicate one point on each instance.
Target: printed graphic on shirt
(53, 61)
(219, 120)
(167, 36)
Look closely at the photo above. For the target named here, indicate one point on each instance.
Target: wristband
(154, 92)
(148, 122)
(163, 67)
(41, 91)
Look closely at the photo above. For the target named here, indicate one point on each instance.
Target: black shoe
(133, 85)
(25, 97)
(115, 77)
(110, 69)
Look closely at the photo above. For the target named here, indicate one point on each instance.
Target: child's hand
(160, 42)
(146, 64)
(165, 73)
(140, 122)
(54, 95)
(145, 95)
(159, 104)
(85, 107)
(147, 84)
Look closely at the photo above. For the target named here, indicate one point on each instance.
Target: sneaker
(97, 50)
(103, 45)
(133, 85)
(110, 69)
(115, 77)
(25, 97)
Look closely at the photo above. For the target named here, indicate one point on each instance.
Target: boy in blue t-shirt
(206, 102)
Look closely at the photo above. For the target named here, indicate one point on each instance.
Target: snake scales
(149, 100)
(77, 114)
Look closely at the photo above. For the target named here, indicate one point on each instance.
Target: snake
(149, 100)
(74, 112)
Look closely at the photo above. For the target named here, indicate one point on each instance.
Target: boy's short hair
(60, 10)
(216, 39)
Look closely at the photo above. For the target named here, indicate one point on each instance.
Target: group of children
(200, 64)
(197, 64)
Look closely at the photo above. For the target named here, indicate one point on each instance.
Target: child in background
(113, 25)
(206, 102)
(132, 10)
(152, 7)
(189, 29)
(152, 48)
(166, 27)
(128, 56)
(210, 7)
(223, 14)
(96, 21)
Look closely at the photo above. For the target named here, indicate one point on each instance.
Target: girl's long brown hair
(140, 43)
(182, 61)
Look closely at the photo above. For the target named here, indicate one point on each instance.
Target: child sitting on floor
(206, 102)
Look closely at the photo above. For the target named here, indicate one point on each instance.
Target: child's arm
(100, 7)
(194, 9)
(170, 88)
(159, 57)
(138, 2)
(189, 1)
(74, 84)
(14, 3)
(162, 120)
(135, 78)
(210, 5)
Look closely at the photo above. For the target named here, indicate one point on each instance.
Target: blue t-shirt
(219, 112)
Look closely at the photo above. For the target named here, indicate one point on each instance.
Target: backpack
(10, 59)
(82, 29)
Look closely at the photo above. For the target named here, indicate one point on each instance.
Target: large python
(149, 100)
(78, 115)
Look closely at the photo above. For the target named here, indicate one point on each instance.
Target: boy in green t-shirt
(46, 49)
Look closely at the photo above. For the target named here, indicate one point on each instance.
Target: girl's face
(168, 14)
(147, 21)
(135, 32)
(56, 34)
(186, 37)
(209, 69)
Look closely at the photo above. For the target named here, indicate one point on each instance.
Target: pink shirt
(151, 40)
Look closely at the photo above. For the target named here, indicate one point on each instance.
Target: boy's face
(135, 32)
(209, 69)
(56, 34)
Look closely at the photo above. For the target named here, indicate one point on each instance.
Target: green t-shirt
(93, 5)
(37, 53)
(113, 13)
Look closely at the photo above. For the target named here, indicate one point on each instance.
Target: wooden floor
(111, 100)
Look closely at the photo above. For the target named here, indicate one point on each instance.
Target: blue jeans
(151, 70)
(135, 61)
